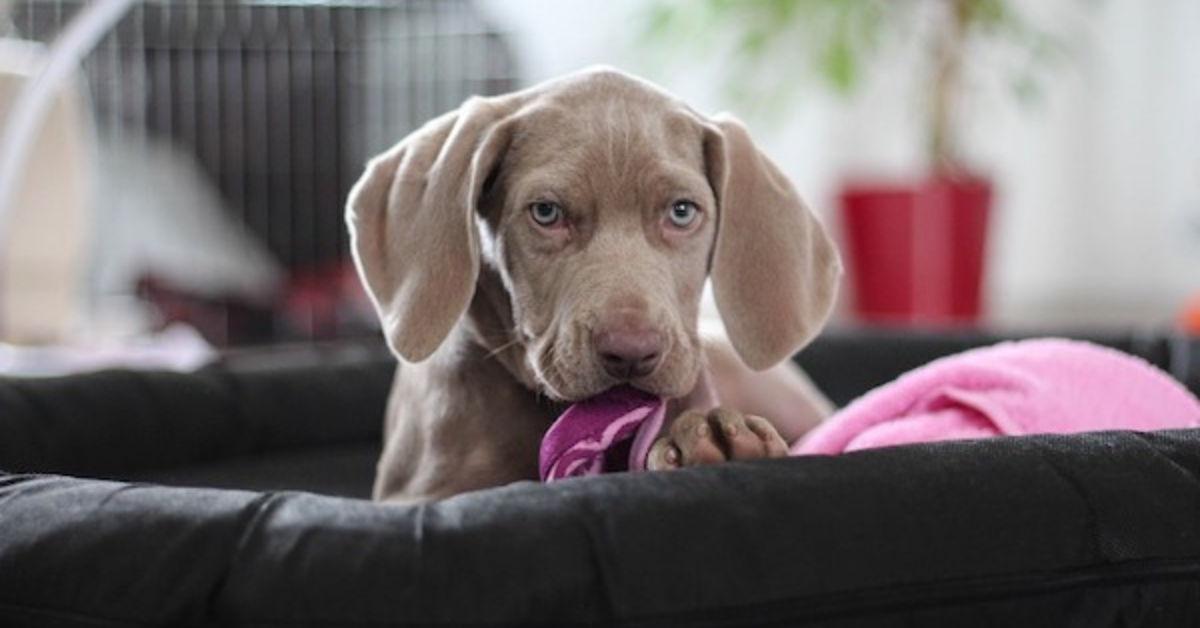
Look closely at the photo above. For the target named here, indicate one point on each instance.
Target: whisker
(500, 349)
(546, 358)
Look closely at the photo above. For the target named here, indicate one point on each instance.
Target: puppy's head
(602, 204)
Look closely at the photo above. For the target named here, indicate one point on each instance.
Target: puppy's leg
(783, 394)
(459, 422)
(705, 432)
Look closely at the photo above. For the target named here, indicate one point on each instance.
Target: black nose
(628, 353)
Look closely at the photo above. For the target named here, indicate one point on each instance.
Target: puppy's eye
(545, 213)
(683, 214)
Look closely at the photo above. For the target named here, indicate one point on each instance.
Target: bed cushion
(285, 418)
(1090, 530)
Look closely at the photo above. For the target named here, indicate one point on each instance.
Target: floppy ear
(412, 224)
(774, 269)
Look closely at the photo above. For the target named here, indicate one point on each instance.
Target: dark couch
(233, 496)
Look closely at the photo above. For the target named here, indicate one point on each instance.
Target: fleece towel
(1023, 387)
(610, 432)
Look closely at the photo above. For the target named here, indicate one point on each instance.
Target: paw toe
(697, 440)
(770, 444)
(664, 454)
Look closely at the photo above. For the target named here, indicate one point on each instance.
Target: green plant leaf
(839, 64)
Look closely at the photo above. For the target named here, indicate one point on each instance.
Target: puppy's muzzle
(628, 350)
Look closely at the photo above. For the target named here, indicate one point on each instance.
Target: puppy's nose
(628, 353)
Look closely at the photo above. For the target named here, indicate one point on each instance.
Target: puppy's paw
(696, 438)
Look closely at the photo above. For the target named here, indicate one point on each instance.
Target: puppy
(535, 249)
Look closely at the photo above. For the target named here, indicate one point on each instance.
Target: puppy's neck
(489, 323)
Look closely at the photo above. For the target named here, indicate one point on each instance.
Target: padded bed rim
(946, 531)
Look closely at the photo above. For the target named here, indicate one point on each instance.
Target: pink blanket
(1013, 388)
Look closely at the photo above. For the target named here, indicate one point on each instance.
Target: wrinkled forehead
(623, 125)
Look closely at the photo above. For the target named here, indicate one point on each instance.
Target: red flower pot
(915, 253)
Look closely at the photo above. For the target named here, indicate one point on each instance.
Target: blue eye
(545, 213)
(683, 214)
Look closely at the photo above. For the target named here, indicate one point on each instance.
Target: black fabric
(1091, 530)
(1087, 530)
(253, 411)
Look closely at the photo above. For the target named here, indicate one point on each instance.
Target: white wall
(1098, 215)
(1101, 215)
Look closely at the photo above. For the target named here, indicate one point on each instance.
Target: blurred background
(173, 174)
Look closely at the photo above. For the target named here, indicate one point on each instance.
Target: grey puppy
(537, 248)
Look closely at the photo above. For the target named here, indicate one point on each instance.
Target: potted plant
(915, 249)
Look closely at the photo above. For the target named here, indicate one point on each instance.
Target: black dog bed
(233, 496)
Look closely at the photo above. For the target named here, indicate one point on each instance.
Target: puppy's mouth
(572, 376)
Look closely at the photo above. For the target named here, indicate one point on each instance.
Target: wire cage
(273, 105)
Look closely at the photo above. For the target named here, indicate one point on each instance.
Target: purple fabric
(577, 443)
